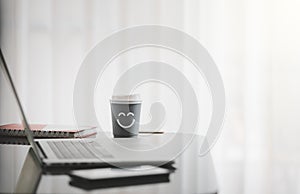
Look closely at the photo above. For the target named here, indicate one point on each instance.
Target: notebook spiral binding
(36, 133)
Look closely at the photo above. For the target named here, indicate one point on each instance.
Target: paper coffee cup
(125, 112)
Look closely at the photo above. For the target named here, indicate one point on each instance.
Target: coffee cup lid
(133, 98)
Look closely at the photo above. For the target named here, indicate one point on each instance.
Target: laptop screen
(5, 72)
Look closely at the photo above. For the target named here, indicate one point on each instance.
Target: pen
(152, 132)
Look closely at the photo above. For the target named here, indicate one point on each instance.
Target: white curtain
(255, 44)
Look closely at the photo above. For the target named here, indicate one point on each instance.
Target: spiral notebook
(47, 131)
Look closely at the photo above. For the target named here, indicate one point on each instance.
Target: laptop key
(84, 152)
(55, 150)
(76, 150)
(71, 149)
(63, 150)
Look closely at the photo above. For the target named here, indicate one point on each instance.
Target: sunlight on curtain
(254, 43)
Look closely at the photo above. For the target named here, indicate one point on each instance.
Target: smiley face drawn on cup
(129, 114)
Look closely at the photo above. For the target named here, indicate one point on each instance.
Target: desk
(194, 174)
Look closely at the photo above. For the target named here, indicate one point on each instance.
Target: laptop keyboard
(78, 150)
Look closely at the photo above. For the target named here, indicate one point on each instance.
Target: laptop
(104, 150)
